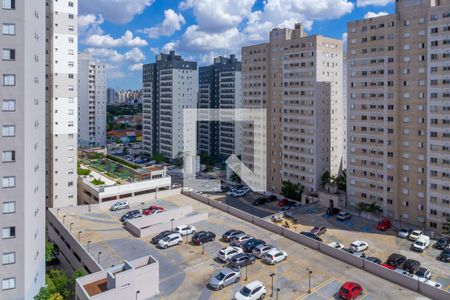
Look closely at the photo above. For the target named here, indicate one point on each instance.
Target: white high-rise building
(62, 56)
(91, 102)
(22, 148)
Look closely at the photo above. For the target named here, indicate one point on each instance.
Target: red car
(152, 210)
(384, 225)
(350, 290)
(282, 202)
(387, 266)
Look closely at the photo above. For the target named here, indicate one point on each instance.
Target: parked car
(131, 215)
(185, 229)
(387, 266)
(152, 209)
(224, 278)
(373, 259)
(414, 235)
(421, 243)
(241, 260)
(230, 234)
(260, 201)
(350, 290)
(396, 260)
(249, 245)
(225, 254)
(359, 254)
(319, 230)
(404, 233)
(120, 205)
(176, 186)
(272, 198)
(403, 272)
(336, 245)
(333, 211)
(442, 243)
(202, 237)
(274, 256)
(262, 249)
(240, 239)
(170, 240)
(384, 225)
(359, 246)
(160, 236)
(282, 202)
(445, 255)
(423, 273)
(411, 265)
(245, 189)
(343, 216)
(434, 283)
(238, 194)
(311, 235)
(252, 291)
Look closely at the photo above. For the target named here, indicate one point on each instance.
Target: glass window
(9, 105)
(9, 54)
(9, 156)
(9, 4)
(9, 283)
(9, 207)
(9, 232)
(9, 79)
(9, 182)
(8, 130)
(9, 29)
(8, 258)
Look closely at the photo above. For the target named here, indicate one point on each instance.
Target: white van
(421, 243)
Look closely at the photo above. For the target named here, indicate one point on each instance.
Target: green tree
(291, 190)
(60, 281)
(178, 160)
(447, 224)
(325, 178)
(341, 181)
(97, 182)
(159, 158)
(235, 178)
(49, 248)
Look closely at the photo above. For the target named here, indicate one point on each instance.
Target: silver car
(262, 249)
(240, 239)
(120, 205)
(224, 278)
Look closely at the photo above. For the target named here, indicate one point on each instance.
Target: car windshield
(419, 243)
(421, 272)
(166, 239)
(245, 291)
(344, 290)
(220, 276)
(355, 245)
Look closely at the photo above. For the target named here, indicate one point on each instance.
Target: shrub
(98, 182)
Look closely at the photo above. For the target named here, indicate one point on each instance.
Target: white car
(245, 189)
(240, 239)
(170, 240)
(262, 249)
(225, 254)
(274, 256)
(238, 194)
(421, 243)
(359, 246)
(434, 283)
(188, 189)
(404, 273)
(336, 245)
(120, 205)
(185, 229)
(252, 291)
(413, 236)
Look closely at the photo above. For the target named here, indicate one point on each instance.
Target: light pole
(142, 206)
(70, 226)
(79, 235)
(98, 256)
(203, 248)
(271, 276)
(57, 212)
(88, 243)
(171, 220)
(137, 293)
(64, 219)
(278, 290)
(309, 280)
(246, 274)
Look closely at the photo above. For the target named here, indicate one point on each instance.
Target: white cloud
(154, 50)
(106, 41)
(374, 15)
(196, 40)
(172, 23)
(135, 68)
(345, 40)
(169, 47)
(218, 16)
(90, 25)
(116, 11)
(118, 61)
(362, 3)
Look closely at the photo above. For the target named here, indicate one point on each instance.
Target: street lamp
(203, 248)
(70, 226)
(64, 219)
(79, 237)
(57, 212)
(142, 205)
(88, 243)
(98, 256)
(309, 280)
(137, 293)
(278, 290)
(171, 220)
(271, 276)
(246, 277)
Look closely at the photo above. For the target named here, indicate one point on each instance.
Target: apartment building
(61, 101)
(220, 88)
(22, 148)
(170, 86)
(398, 128)
(92, 102)
(298, 79)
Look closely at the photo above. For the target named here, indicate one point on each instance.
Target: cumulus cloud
(116, 11)
(345, 41)
(374, 15)
(169, 47)
(362, 3)
(135, 68)
(172, 23)
(90, 24)
(107, 41)
(196, 40)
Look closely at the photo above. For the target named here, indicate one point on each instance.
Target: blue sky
(124, 34)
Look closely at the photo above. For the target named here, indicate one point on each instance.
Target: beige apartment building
(398, 120)
(298, 79)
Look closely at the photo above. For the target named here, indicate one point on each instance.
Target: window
(9, 207)
(9, 29)
(9, 4)
(8, 130)
(9, 232)
(9, 54)
(9, 105)
(9, 156)
(9, 182)
(9, 79)
(9, 283)
(8, 258)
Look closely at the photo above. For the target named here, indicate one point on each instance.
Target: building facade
(22, 148)
(398, 125)
(298, 79)
(170, 85)
(91, 102)
(62, 120)
(220, 87)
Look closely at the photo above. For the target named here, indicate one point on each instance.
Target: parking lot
(185, 271)
(381, 244)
